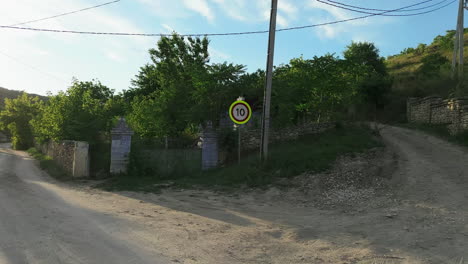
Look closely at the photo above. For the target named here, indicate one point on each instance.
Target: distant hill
(11, 94)
(406, 67)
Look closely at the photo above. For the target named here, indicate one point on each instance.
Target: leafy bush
(16, 119)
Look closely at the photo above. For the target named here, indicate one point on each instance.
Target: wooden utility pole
(268, 82)
(459, 45)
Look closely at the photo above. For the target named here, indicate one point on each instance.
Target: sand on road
(419, 218)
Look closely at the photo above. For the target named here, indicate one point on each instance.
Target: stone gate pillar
(209, 148)
(120, 149)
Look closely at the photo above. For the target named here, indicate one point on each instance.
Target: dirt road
(41, 222)
(420, 218)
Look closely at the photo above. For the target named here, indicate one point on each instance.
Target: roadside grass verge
(440, 131)
(312, 153)
(46, 163)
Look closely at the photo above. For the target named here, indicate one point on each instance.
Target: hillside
(406, 68)
(11, 94)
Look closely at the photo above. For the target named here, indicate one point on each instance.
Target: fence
(3, 138)
(436, 110)
(71, 156)
(154, 159)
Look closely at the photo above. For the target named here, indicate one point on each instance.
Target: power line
(225, 34)
(380, 14)
(64, 14)
(384, 10)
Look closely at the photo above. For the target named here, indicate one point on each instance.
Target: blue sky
(38, 62)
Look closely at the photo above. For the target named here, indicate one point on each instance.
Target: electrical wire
(224, 34)
(384, 10)
(380, 14)
(64, 14)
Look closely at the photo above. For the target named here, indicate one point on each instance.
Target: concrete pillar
(81, 159)
(120, 149)
(209, 148)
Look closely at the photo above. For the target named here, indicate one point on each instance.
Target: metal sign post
(240, 113)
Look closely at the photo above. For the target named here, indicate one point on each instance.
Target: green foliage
(444, 42)
(16, 119)
(180, 89)
(375, 83)
(12, 94)
(49, 165)
(367, 54)
(80, 113)
(431, 65)
(308, 154)
(407, 51)
(316, 88)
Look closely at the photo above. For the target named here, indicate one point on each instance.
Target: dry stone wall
(3, 138)
(250, 138)
(435, 110)
(71, 156)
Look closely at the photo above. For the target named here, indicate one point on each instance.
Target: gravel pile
(353, 180)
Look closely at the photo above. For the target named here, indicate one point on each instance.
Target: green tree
(80, 113)
(145, 83)
(180, 89)
(420, 49)
(445, 42)
(375, 83)
(16, 119)
(177, 64)
(318, 88)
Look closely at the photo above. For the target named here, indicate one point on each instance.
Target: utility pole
(459, 45)
(268, 82)
(455, 44)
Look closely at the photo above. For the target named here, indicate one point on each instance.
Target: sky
(42, 62)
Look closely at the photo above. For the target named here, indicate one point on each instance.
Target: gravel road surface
(419, 216)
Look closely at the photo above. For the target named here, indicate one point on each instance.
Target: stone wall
(435, 110)
(3, 138)
(72, 156)
(250, 138)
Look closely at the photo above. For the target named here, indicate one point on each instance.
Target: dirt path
(41, 222)
(421, 219)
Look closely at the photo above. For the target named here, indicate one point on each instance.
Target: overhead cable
(384, 10)
(64, 14)
(224, 34)
(382, 14)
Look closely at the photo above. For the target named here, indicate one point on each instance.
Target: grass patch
(440, 131)
(311, 153)
(47, 163)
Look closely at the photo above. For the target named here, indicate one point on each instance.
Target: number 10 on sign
(240, 112)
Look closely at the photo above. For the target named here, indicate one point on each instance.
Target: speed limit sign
(240, 112)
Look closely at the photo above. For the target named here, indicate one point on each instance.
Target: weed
(48, 164)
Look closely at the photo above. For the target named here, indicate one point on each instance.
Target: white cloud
(281, 21)
(166, 8)
(288, 8)
(168, 28)
(66, 55)
(218, 55)
(114, 56)
(245, 11)
(326, 13)
(201, 7)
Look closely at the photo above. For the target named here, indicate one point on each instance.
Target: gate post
(209, 148)
(120, 149)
